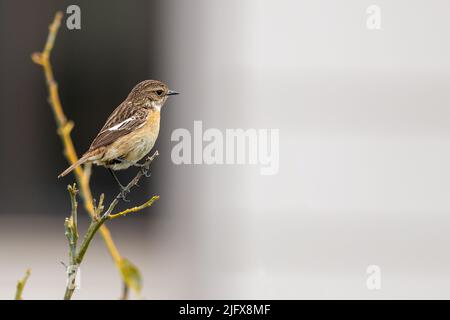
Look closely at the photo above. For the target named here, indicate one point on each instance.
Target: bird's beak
(172, 93)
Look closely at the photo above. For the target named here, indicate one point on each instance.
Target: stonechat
(130, 131)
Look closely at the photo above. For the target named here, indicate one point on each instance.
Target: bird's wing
(122, 121)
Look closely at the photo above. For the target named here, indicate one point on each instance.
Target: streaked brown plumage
(130, 131)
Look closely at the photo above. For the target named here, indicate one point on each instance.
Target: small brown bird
(130, 131)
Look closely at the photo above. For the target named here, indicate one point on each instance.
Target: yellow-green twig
(134, 209)
(21, 284)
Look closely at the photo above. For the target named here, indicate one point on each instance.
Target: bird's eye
(159, 92)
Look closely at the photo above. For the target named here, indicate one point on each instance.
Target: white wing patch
(120, 125)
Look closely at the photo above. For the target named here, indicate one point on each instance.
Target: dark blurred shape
(95, 68)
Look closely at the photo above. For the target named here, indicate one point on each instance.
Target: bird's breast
(143, 139)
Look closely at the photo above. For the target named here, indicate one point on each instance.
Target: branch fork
(100, 216)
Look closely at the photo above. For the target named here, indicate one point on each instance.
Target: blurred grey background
(364, 147)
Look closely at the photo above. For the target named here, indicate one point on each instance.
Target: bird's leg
(115, 178)
(123, 190)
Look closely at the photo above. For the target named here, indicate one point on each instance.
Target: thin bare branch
(77, 258)
(64, 129)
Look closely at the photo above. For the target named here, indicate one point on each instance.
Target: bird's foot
(143, 167)
(146, 172)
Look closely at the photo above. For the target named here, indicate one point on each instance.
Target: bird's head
(151, 93)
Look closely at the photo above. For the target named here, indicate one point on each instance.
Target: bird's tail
(82, 160)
